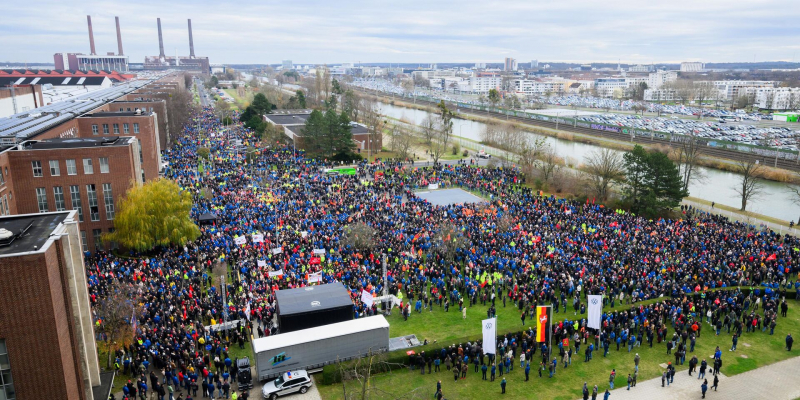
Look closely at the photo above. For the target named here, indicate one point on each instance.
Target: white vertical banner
(595, 311)
(247, 311)
(366, 298)
(489, 327)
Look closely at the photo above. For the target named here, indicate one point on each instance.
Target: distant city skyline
(310, 32)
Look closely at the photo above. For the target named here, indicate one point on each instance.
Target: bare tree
(751, 185)
(603, 167)
(356, 379)
(548, 164)
(795, 193)
(448, 240)
(116, 311)
(374, 120)
(529, 152)
(401, 140)
(490, 132)
(359, 236)
(444, 132)
(179, 110)
(428, 128)
(688, 154)
(703, 91)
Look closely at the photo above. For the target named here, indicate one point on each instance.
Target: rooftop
(312, 298)
(74, 143)
(356, 129)
(107, 114)
(288, 119)
(31, 123)
(54, 80)
(29, 232)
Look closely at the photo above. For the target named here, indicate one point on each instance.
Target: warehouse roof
(319, 333)
(312, 299)
(28, 124)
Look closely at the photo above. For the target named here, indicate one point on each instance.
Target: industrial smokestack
(119, 37)
(191, 42)
(91, 35)
(160, 42)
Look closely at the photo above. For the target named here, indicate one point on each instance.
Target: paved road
(773, 382)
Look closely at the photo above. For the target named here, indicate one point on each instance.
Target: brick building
(47, 344)
(89, 175)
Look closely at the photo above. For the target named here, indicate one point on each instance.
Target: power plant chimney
(119, 38)
(91, 35)
(191, 42)
(160, 42)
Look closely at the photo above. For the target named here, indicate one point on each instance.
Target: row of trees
(328, 134)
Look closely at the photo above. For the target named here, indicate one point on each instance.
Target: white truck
(483, 154)
(314, 348)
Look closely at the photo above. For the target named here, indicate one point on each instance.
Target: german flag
(544, 316)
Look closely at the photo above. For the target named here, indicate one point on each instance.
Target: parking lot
(739, 126)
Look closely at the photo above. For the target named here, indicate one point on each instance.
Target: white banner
(433, 186)
(489, 327)
(275, 273)
(319, 251)
(247, 311)
(315, 277)
(258, 238)
(240, 240)
(277, 250)
(366, 297)
(595, 311)
(304, 233)
(262, 263)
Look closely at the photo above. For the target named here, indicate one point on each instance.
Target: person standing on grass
(789, 342)
(704, 387)
(636, 362)
(494, 369)
(611, 378)
(630, 380)
(585, 392)
(734, 341)
(483, 369)
(527, 371)
(503, 385)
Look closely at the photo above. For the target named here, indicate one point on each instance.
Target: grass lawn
(760, 348)
(241, 102)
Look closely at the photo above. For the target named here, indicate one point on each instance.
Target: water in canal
(718, 185)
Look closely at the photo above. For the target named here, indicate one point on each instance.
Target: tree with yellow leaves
(154, 214)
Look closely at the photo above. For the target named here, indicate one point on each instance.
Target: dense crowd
(518, 247)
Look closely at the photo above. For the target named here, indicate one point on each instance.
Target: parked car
(290, 382)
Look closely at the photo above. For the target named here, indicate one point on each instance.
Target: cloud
(315, 31)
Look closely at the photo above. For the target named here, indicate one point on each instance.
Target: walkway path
(773, 382)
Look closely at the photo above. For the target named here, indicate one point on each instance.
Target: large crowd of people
(518, 246)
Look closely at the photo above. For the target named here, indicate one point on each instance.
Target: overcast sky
(335, 31)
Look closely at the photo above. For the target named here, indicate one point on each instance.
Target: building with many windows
(88, 175)
(47, 343)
